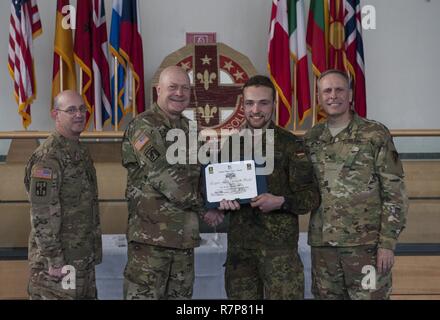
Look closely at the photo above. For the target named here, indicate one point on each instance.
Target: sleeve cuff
(387, 244)
(56, 262)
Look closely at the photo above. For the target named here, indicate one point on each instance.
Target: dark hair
(335, 71)
(260, 81)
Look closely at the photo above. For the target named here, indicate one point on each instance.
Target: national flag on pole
(334, 38)
(83, 52)
(101, 71)
(279, 60)
(121, 103)
(63, 50)
(91, 53)
(25, 26)
(336, 50)
(354, 49)
(317, 42)
(298, 49)
(317, 35)
(126, 45)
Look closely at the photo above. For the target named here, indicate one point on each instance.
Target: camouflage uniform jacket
(60, 179)
(361, 183)
(292, 178)
(163, 199)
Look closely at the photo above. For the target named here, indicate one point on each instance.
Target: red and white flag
(91, 53)
(279, 60)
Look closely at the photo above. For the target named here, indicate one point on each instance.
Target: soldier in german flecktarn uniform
(262, 258)
(61, 183)
(354, 232)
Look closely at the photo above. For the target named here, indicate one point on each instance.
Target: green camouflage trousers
(337, 274)
(255, 274)
(42, 286)
(154, 273)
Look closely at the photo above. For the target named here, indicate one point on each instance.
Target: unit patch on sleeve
(152, 154)
(41, 188)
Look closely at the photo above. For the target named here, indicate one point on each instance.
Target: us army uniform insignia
(41, 188)
(40, 184)
(152, 154)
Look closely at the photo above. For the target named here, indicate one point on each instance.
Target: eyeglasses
(73, 110)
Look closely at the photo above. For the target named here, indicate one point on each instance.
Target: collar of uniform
(348, 133)
(64, 141)
(268, 125)
(166, 121)
(71, 146)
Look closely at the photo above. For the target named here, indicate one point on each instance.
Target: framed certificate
(232, 181)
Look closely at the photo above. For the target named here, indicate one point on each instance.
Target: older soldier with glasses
(65, 228)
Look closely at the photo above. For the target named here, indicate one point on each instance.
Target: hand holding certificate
(232, 181)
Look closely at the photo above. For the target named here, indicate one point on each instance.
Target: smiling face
(258, 105)
(173, 91)
(334, 95)
(70, 114)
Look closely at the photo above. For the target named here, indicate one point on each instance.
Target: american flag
(25, 25)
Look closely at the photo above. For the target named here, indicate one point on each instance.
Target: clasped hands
(265, 202)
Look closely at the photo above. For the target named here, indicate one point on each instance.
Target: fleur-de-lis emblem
(206, 79)
(207, 113)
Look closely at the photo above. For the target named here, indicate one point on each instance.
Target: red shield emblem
(217, 74)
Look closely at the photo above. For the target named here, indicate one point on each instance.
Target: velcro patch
(41, 188)
(42, 173)
(152, 154)
(141, 142)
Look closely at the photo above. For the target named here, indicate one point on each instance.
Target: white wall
(401, 55)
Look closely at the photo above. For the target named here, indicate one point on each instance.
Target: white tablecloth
(209, 270)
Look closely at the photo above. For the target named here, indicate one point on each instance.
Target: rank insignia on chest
(141, 142)
(42, 173)
(41, 189)
(152, 154)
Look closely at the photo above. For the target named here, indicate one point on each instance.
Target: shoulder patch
(141, 142)
(41, 189)
(42, 173)
(152, 154)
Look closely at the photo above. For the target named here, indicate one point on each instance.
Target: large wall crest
(217, 73)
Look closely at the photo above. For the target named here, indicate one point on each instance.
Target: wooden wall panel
(14, 277)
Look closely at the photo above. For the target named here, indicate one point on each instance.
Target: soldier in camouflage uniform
(364, 204)
(60, 180)
(163, 199)
(262, 258)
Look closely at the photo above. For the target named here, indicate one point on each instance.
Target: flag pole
(80, 81)
(61, 74)
(314, 102)
(295, 95)
(134, 96)
(116, 94)
(277, 108)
